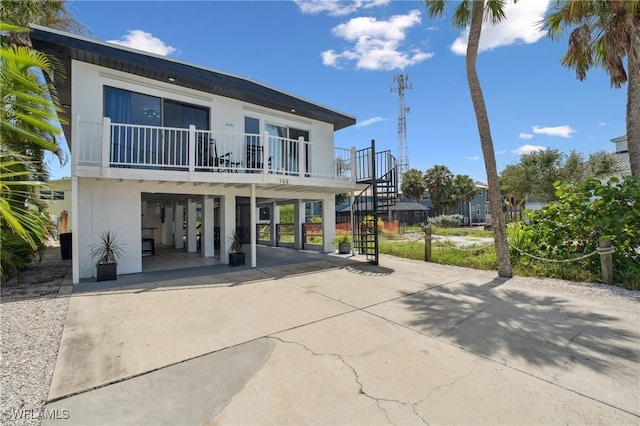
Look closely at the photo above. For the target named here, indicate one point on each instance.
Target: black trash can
(65, 245)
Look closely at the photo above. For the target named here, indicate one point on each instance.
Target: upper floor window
(126, 107)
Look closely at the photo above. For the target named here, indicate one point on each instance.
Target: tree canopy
(604, 33)
(537, 172)
(413, 184)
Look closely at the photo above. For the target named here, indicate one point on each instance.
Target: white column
(298, 220)
(274, 220)
(192, 242)
(227, 224)
(353, 229)
(252, 224)
(75, 229)
(206, 237)
(168, 225)
(179, 218)
(329, 223)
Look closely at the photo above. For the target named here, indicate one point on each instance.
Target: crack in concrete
(357, 379)
(570, 363)
(442, 386)
(472, 315)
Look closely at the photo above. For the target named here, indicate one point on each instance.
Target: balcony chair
(222, 161)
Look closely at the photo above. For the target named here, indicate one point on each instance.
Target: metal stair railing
(380, 171)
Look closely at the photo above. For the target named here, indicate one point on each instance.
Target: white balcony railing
(116, 145)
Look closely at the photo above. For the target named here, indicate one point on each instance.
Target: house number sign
(284, 181)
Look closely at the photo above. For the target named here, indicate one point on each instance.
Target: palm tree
(49, 13)
(438, 179)
(28, 108)
(605, 32)
(472, 13)
(464, 189)
(413, 185)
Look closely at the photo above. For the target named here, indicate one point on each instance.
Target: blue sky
(344, 55)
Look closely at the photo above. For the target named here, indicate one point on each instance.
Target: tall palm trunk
(495, 198)
(633, 103)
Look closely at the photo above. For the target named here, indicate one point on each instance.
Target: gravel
(32, 315)
(31, 332)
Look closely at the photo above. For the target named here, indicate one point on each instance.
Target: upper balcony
(162, 153)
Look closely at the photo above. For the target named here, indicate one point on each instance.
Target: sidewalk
(350, 343)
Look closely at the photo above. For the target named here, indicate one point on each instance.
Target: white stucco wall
(226, 115)
(109, 205)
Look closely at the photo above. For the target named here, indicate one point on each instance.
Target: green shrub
(584, 213)
(445, 221)
(15, 254)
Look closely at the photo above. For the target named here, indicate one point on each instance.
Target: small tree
(413, 184)
(439, 183)
(464, 189)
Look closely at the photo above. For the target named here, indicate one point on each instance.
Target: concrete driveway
(337, 341)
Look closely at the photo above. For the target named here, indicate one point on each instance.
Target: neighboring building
(157, 143)
(57, 193)
(405, 212)
(408, 212)
(622, 155)
(476, 211)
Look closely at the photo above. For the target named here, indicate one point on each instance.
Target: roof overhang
(66, 47)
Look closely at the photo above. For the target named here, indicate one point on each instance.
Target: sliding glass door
(137, 139)
(284, 147)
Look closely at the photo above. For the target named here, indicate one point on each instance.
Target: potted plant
(106, 253)
(236, 256)
(343, 241)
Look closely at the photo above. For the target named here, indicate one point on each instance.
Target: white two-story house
(166, 150)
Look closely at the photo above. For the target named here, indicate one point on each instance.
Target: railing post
(106, 141)
(427, 244)
(192, 148)
(353, 164)
(301, 156)
(75, 138)
(265, 154)
(606, 260)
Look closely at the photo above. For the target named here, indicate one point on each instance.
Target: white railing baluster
(192, 148)
(109, 144)
(106, 141)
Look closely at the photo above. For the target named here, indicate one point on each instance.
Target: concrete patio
(328, 340)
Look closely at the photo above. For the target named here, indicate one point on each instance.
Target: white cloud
(528, 149)
(370, 121)
(560, 131)
(473, 158)
(525, 136)
(520, 25)
(602, 124)
(141, 40)
(376, 43)
(337, 7)
(501, 152)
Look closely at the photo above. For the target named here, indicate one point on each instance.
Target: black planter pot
(106, 271)
(236, 259)
(344, 248)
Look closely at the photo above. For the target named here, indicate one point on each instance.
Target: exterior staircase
(380, 171)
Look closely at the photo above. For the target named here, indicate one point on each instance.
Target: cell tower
(402, 84)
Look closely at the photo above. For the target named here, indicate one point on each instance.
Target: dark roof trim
(66, 46)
